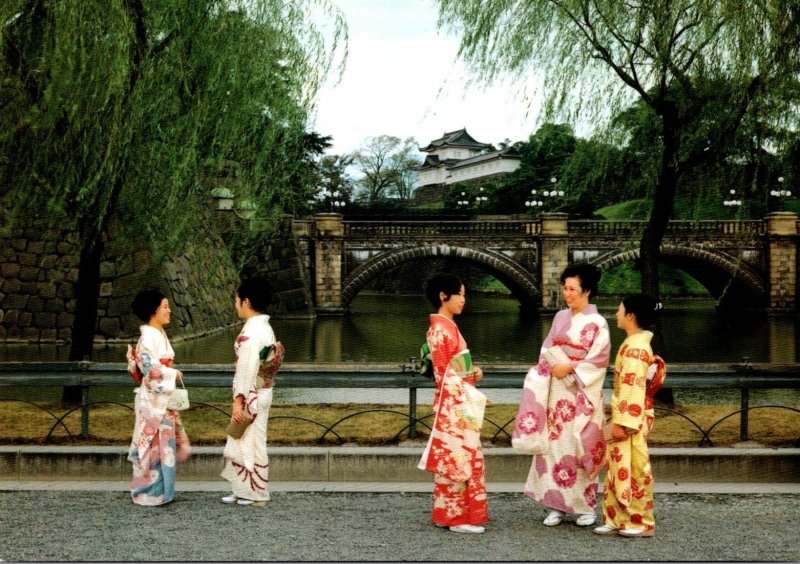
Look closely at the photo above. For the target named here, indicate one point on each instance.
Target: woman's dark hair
(146, 303)
(645, 308)
(258, 290)
(448, 283)
(588, 274)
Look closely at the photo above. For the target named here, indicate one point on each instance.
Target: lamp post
(334, 200)
(480, 198)
(533, 201)
(733, 202)
(537, 200)
(463, 201)
(337, 201)
(780, 193)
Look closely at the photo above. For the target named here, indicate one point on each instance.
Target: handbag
(179, 398)
(236, 430)
(556, 355)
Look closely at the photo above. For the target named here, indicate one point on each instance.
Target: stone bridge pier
(328, 250)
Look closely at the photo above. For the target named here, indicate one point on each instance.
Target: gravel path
(62, 525)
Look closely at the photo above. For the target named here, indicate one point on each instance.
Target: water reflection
(389, 329)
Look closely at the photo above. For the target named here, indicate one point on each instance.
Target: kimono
(560, 422)
(159, 439)
(246, 460)
(628, 485)
(454, 453)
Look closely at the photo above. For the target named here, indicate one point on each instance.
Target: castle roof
(433, 161)
(459, 138)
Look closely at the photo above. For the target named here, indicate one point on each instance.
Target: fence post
(84, 365)
(411, 365)
(743, 416)
(412, 409)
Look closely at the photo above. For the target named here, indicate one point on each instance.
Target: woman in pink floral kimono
(454, 453)
(560, 419)
(159, 440)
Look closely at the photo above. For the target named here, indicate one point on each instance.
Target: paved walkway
(99, 522)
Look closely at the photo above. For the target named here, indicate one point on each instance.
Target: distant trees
(388, 167)
(126, 109)
(601, 54)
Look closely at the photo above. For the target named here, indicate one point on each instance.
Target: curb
(398, 464)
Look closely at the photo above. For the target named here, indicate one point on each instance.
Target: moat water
(389, 329)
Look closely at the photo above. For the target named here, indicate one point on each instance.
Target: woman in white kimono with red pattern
(560, 418)
(454, 453)
(638, 375)
(159, 439)
(246, 460)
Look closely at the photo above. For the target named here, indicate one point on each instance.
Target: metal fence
(744, 377)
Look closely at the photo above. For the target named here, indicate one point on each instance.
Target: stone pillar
(554, 258)
(782, 261)
(328, 247)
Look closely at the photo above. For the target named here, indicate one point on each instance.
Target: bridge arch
(520, 282)
(727, 279)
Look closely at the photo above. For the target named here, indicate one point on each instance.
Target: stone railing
(362, 229)
(525, 228)
(699, 228)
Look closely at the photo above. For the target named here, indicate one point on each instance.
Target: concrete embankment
(387, 464)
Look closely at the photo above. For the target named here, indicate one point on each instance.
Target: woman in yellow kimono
(628, 486)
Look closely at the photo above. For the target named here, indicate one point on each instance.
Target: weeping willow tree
(597, 56)
(124, 108)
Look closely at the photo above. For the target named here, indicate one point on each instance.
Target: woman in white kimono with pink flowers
(246, 460)
(560, 418)
(159, 439)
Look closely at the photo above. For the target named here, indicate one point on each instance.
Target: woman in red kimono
(454, 453)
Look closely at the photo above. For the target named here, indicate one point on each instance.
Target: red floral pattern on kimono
(561, 423)
(246, 458)
(454, 452)
(628, 486)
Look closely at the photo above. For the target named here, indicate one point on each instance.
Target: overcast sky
(402, 79)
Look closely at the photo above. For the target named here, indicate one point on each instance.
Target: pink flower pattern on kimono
(590, 494)
(554, 425)
(583, 406)
(528, 422)
(564, 473)
(565, 410)
(588, 333)
(543, 369)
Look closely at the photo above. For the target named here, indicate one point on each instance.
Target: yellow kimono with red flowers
(628, 486)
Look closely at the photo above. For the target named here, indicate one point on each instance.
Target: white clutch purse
(556, 355)
(179, 398)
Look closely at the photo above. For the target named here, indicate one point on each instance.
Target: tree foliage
(388, 167)
(127, 109)
(597, 56)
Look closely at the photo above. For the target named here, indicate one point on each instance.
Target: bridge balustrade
(414, 228)
(626, 228)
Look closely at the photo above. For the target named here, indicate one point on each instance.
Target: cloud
(402, 79)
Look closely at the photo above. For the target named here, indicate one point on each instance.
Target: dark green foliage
(134, 109)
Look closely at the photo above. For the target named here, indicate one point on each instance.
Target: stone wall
(283, 260)
(38, 269)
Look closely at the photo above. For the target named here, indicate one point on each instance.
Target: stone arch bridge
(748, 264)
